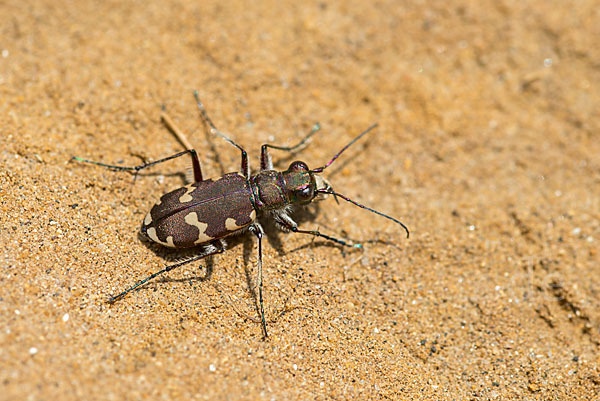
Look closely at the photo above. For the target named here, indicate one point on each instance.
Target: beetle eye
(298, 166)
(304, 194)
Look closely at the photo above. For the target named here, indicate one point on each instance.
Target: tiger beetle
(204, 213)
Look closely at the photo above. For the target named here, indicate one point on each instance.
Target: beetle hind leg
(215, 247)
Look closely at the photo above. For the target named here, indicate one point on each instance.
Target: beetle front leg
(136, 169)
(266, 163)
(257, 230)
(286, 222)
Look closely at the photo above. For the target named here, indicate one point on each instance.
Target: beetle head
(300, 183)
(303, 185)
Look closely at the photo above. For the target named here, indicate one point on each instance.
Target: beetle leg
(217, 246)
(316, 233)
(257, 230)
(287, 223)
(136, 169)
(265, 158)
(215, 131)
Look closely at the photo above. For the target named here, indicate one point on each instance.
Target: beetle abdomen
(201, 212)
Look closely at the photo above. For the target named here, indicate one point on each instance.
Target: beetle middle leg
(136, 169)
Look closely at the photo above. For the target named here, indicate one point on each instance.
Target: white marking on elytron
(186, 197)
(192, 220)
(152, 234)
(253, 215)
(230, 225)
(147, 219)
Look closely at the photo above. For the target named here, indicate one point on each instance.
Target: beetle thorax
(268, 190)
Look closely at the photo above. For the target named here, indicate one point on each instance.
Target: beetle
(205, 212)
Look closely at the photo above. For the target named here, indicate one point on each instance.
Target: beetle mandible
(204, 213)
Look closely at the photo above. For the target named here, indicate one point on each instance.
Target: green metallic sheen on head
(300, 183)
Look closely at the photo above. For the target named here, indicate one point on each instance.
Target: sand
(487, 149)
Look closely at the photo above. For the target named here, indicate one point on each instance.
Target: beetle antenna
(332, 192)
(320, 169)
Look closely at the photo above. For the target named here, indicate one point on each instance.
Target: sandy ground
(487, 149)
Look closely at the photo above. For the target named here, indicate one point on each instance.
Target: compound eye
(298, 166)
(305, 194)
